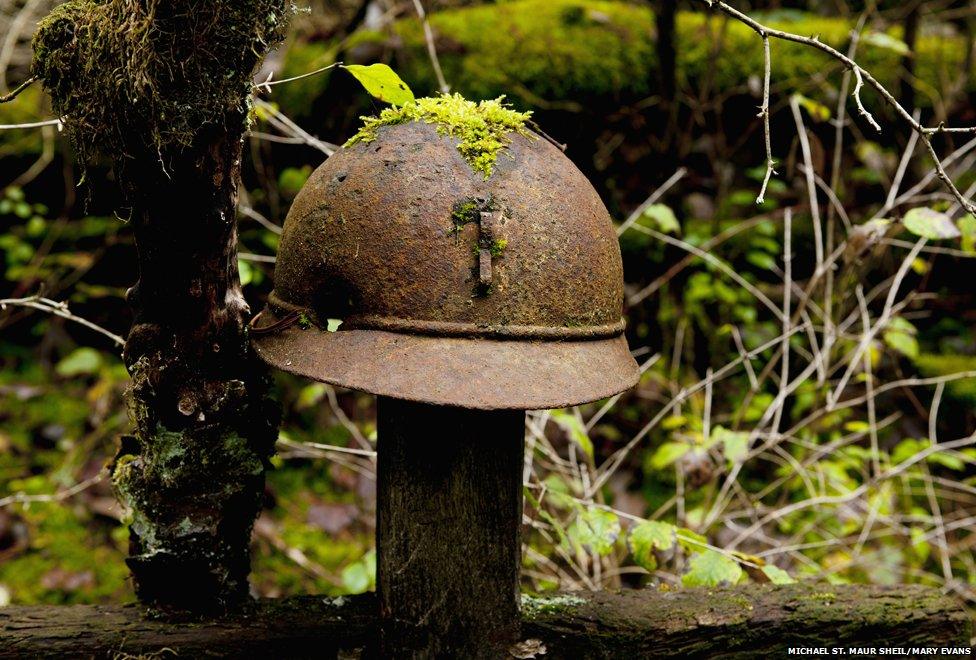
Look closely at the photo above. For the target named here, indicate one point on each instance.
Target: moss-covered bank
(573, 54)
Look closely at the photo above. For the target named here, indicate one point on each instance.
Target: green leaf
(673, 422)
(382, 82)
(596, 528)
(81, 361)
(663, 218)
(292, 179)
(310, 395)
(647, 537)
(691, 541)
(967, 226)
(575, 429)
(921, 547)
(360, 576)
(735, 444)
(777, 575)
(245, 271)
(930, 224)
(902, 342)
(711, 569)
(762, 260)
(817, 111)
(668, 453)
(886, 41)
(947, 460)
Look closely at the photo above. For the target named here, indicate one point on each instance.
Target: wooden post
(449, 513)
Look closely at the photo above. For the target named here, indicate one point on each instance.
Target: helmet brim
(484, 374)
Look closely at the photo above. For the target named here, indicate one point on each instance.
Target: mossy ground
(49, 437)
(482, 129)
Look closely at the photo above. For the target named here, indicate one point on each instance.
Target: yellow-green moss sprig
(482, 129)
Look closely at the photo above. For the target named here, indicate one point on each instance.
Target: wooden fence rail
(751, 621)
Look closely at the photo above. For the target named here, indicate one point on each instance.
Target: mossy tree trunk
(204, 422)
(160, 89)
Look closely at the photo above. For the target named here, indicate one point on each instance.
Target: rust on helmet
(401, 236)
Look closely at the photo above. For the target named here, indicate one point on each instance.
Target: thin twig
(764, 114)
(60, 496)
(431, 49)
(34, 124)
(6, 98)
(269, 83)
(59, 309)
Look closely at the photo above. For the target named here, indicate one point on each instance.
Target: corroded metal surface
(453, 289)
(471, 373)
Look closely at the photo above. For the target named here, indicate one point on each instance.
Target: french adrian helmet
(470, 263)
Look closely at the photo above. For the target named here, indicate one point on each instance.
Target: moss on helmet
(481, 128)
(126, 74)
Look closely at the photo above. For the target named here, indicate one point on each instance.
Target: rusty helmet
(502, 291)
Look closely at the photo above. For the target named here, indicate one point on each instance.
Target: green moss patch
(534, 605)
(482, 129)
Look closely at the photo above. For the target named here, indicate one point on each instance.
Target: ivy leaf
(596, 528)
(711, 569)
(574, 427)
(886, 41)
(668, 453)
(382, 82)
(930, 224)
(777, 575)
(663, 217)
(78, 362)
(647, 537)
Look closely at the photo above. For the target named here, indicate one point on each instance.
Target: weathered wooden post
(477, 275)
